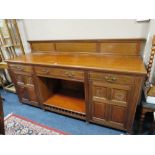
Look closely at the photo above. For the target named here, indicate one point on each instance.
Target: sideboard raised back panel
(76, 47)
(43, 46)
(131, 47)
(121, 48)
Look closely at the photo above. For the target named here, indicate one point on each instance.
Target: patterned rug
(18, 125)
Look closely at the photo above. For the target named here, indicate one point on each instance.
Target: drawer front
(111, 78)
(21, 68)
(62, 73)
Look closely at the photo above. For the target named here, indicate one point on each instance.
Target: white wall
(84, 29)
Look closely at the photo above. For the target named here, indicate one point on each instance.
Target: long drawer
(21, 68)
(60, 73)
(111, 78)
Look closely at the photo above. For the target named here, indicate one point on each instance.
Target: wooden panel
(20, 79)
(45, 88)
(29, 84)
(32, 94)
(29, 81)
(23, 93)
(72, 85)
(76, 47)
(120, 48)
(107, 46)
(99, 110)
(118, 115)
(99, 92)
(120, 95)
(42, 46)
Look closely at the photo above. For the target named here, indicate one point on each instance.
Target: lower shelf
(65, 112)
(66, 102)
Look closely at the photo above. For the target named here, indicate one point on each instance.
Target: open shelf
(63, 96)
(67, 100)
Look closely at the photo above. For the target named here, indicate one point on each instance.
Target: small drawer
(61, 73)
(111, 78)
(21, 68)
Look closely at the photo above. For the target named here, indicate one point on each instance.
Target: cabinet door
(26, 89)
(99, 101)
(118, 107)
(109, 103)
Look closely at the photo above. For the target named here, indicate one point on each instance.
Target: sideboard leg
(141, 122)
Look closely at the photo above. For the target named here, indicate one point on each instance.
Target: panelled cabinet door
(23, 93)
(119, 100)
(26, 89)
(99, 101)
(109, 103)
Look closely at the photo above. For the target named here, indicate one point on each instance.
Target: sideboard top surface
(127, 64)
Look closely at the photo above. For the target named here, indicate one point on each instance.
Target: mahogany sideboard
(97, 87)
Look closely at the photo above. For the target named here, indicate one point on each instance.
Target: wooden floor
(65, 101)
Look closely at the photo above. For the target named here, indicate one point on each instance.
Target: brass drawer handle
(45, 71)
(106, 78)
(113, 79)
(68, 74)
(110, 79)
(19, 68)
